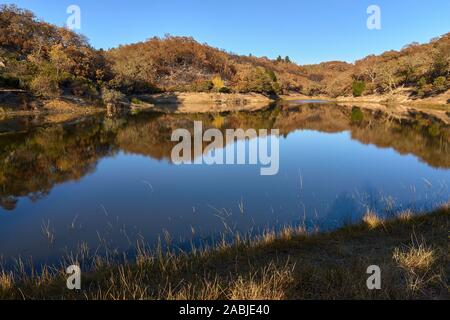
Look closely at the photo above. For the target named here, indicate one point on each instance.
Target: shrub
(357, 115)
(202, 86)
(45, 86)
(439, 83)
(136, 101)
(258, 80)
(217, 83)
(110, 96)
(224, 90)
(422, 82)
(358, 88)
(272, 75)
(83, 88)
(313, 90)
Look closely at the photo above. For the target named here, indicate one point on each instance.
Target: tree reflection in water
(34, 158)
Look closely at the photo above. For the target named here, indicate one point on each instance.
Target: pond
(100, 180)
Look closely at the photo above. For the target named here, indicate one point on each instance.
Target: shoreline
(401, 97)
(411, 250)
(200, 102)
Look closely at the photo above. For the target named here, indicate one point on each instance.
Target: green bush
(272, 75)
(357, 115)
(439, 83)
(422, 82)
(136, 101)
(358, 88)
(224, 90)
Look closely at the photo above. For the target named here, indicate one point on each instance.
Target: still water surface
(111, 179)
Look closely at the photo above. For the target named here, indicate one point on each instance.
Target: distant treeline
(50, 61)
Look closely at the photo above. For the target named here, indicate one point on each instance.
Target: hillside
(48, 61)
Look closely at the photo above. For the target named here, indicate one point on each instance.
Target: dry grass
(372, 220)
(446, 206)
(6, 281)
(269, 236)
(418, 260)
(289, 264)
(288, 232)
(47, 231)
(405, 215)
(417, 256)
(271, 284)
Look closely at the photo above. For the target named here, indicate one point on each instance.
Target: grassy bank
(412, 252)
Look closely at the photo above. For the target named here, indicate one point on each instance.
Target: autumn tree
(218, 83)
(257, 80)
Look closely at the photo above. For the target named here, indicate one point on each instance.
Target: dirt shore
(20, 103)
(17, 103)
(399, 96)
(206, 102)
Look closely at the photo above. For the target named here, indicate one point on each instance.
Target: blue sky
(307, 31)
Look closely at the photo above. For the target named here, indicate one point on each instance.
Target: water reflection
(32, 163)
(335, 161)
(34, 160)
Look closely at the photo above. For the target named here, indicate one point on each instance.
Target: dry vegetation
(291, 264)
(49, 61)
(182, 64)
(372, 220)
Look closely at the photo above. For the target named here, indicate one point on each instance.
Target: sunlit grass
(419, 262)
(416, 257)
(405, 215)
(6, 280)
(289, 263)
(372, 220)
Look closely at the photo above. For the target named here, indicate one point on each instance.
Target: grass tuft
(372, 220)
(269, 284)
(405, 215)
(416, 257)
(418, 261)
(6, 281)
